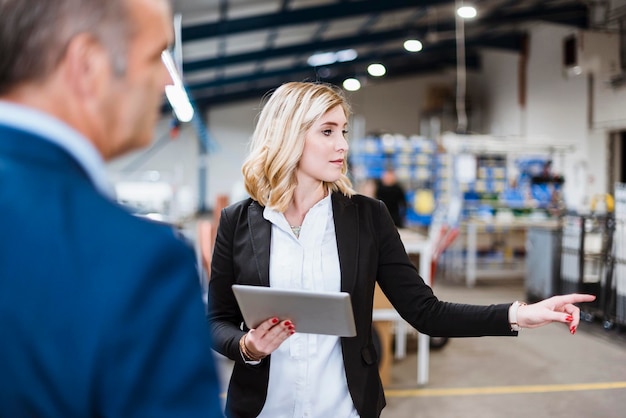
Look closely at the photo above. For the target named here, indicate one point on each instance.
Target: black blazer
(370, 251)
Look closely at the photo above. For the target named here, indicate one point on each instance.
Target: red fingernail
(569, 318)
(274, 320)
(572, 330)
(291, 328)
(292, 332)
(287, 323)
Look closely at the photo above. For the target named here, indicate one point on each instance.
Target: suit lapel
(347, 233)
(260, 233)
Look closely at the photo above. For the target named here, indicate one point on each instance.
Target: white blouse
(307, 376)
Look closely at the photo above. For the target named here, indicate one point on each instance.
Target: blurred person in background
(100, 311)
(391, 192)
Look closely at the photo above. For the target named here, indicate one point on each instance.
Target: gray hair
(34, 35)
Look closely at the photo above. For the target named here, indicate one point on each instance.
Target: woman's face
(325, 148)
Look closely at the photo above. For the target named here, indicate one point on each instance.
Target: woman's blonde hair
(277, 143)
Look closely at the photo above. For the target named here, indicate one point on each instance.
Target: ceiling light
(351, 84)
(176, 93)
(346, 55)
(321, 59)
(466, 12)
(180, 103)
(327, 58)
(376, 70)
(413, 45)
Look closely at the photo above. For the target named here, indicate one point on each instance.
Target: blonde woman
(304, 227)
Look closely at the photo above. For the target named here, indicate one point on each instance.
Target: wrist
(248, 354)
(513, 318)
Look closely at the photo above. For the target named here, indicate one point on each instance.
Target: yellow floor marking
(499, 390)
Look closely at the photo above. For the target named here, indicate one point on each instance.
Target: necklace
(295, 228)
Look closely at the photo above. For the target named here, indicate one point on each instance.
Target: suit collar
(36, 150)
(61, 141)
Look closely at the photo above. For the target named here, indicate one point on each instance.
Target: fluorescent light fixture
(376, 70)
(180, 103)
(176, 93)
(466, 12)
(413, 45)
(346, 55)
(351, 84)
(327, 58)
(321, 59)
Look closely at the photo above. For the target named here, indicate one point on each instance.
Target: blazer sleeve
(414, 300)
(157, 357)
(224, 316)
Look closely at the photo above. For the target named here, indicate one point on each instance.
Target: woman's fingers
(572, 298)
(565, 304)
(280, 333)
(266, 325)
(269, 335)
(536, 315)
(573, 312)
(275, 326)
(555, 309)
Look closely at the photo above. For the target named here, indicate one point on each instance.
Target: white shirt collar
(278, 218)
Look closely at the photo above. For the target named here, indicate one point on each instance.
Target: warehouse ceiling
(240, 49)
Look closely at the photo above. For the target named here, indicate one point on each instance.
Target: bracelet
(515, 326)
(247, 354)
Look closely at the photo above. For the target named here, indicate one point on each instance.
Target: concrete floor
(545, 372)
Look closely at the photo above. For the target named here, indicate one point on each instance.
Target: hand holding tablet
(312, 312)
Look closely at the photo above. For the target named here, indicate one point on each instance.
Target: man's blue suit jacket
(100, 311)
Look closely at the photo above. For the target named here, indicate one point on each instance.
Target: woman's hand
(554, 309)
(267, 337)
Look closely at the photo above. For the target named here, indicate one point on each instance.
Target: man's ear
(87, 66)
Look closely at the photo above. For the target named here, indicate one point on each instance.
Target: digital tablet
(327, 313)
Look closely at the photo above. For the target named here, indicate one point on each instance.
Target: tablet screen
(312, 312)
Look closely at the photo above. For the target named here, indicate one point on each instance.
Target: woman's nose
(342, 144)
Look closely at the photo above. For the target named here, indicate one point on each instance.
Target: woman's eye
(327, 132)
(345, 132)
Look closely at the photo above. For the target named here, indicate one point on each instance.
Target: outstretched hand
(554, 309)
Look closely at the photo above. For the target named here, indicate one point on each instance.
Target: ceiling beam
(556, 14)
(305, 72)
(436, 52)
(427, 61)
(257, 92)
(333, 11)
(502, 28)
(576, 14)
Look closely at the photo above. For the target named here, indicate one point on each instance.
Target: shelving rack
(586, 243)
(495, 215)
(415, 161)
(614, 295)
